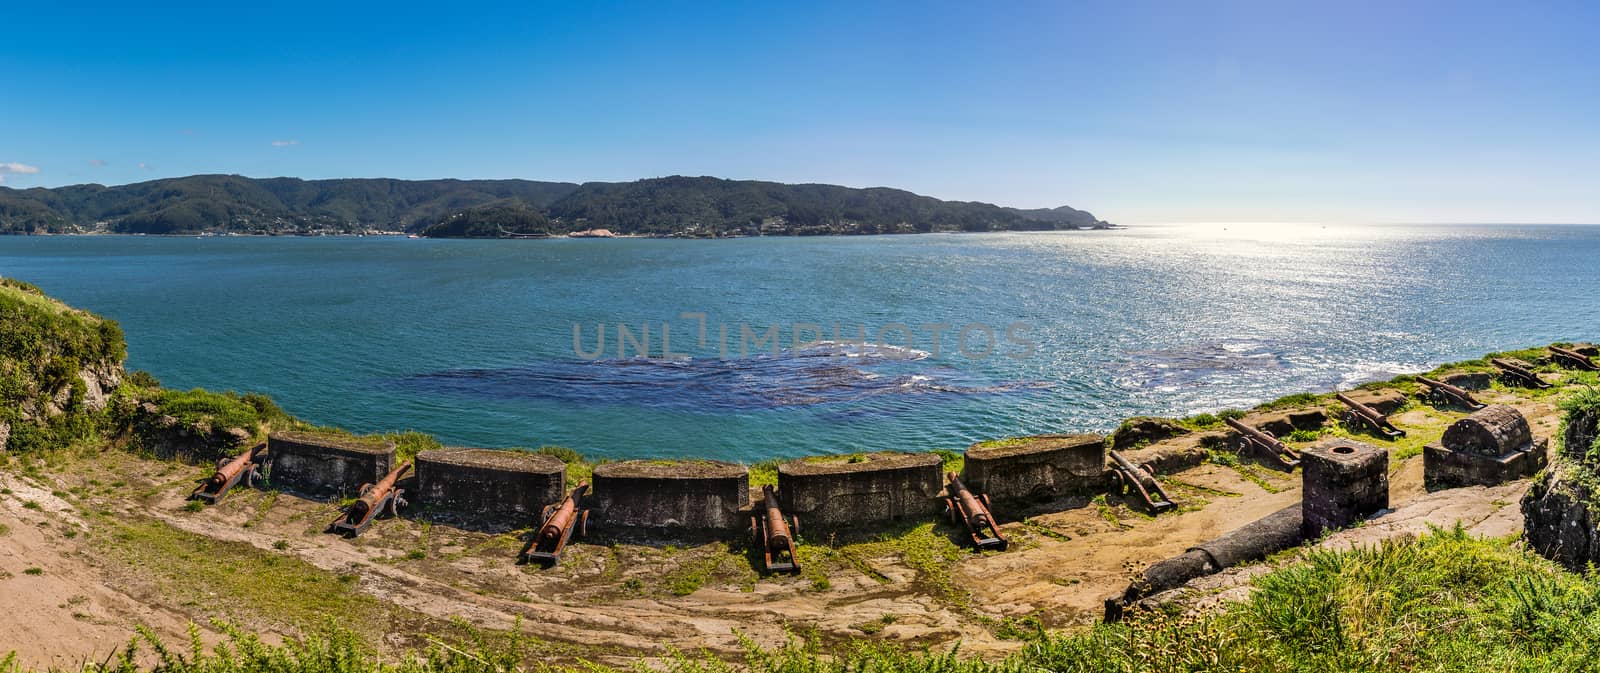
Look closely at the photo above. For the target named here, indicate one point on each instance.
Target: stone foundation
(500, 486)
(1492, 446)
(1280, 424)
(1384, 401)
(1468, 380)
(1137, 432)
(1344, 481)
(1038, 468)
(326, 465)
(693, 496)
(842, 492)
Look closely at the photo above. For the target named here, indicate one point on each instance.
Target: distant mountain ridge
(671, 206)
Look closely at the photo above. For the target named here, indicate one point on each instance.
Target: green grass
(232, 580)
(43, 345)
(579, 468)
(409, 443)
(1582, 407)
(197, 406)
(1003, 443)
(1442, 602)
(705, 565)
(764, 473)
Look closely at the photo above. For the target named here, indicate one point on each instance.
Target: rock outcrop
(55, 360)
(167, 436)
(1560, 512)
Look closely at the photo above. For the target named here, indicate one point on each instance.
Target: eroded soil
(96, 542)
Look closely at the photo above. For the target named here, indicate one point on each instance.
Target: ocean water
(474, 341)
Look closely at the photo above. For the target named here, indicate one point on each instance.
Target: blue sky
(1140, 112)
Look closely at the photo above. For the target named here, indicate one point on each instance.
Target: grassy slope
(1445, 602)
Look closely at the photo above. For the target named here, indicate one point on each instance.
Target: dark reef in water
(816, 376)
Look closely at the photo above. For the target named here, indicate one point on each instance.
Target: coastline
(402, 234)
(107, 527)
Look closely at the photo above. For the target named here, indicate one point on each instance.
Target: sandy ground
(617, 602)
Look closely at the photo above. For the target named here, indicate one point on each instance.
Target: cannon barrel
(1460, 395)
(564, 515)
(1127, 466)
(231, 469)
(1360, 409)
(1135, 479)
(1573, 358)
(778, 534)
(1371, 417)
(1519, 372)
(1441, 385)
(377, 492)
(979, 516)
(1258, 436)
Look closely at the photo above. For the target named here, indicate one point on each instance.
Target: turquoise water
(473, 341)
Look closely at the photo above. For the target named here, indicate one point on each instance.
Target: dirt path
(58, 608)
(614, 602)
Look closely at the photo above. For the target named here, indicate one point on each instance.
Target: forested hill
(231, 203)
(673, 206)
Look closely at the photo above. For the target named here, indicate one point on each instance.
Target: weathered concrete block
(493, 485)
(831, 493)
(691, 495)
(1467, 380)
(327, 465)
(1308, 419)
(1043, 467)
(1492, 446)
(1344, 481)
(1385, 401)
(1144, 430)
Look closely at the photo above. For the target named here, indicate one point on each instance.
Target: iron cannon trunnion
(559, 522)
(243, 467)
(1140, 481)
(773, 534)
(1365, 415)
(376, 499)
(973, 512)
(1445, 393)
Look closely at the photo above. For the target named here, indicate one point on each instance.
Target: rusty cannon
(1572, 359)
(560, 521)
(1444, 393)
(230, 471)
(1264, 444)
(973, 512)
(1365, 415)
(1515, 373)
(1139, 480)
(773, 534)
(382, 497)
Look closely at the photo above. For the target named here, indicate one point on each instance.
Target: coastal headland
(100, 534)
(672, 207)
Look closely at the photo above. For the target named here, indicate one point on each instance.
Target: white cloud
(144, 166)
(14, 168)
(97, 163)
(284, 143)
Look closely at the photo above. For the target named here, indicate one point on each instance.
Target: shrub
(197, 406)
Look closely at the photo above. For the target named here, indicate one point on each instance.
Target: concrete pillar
(1344, 481)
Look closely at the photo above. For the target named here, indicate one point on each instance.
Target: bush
(197, 406)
